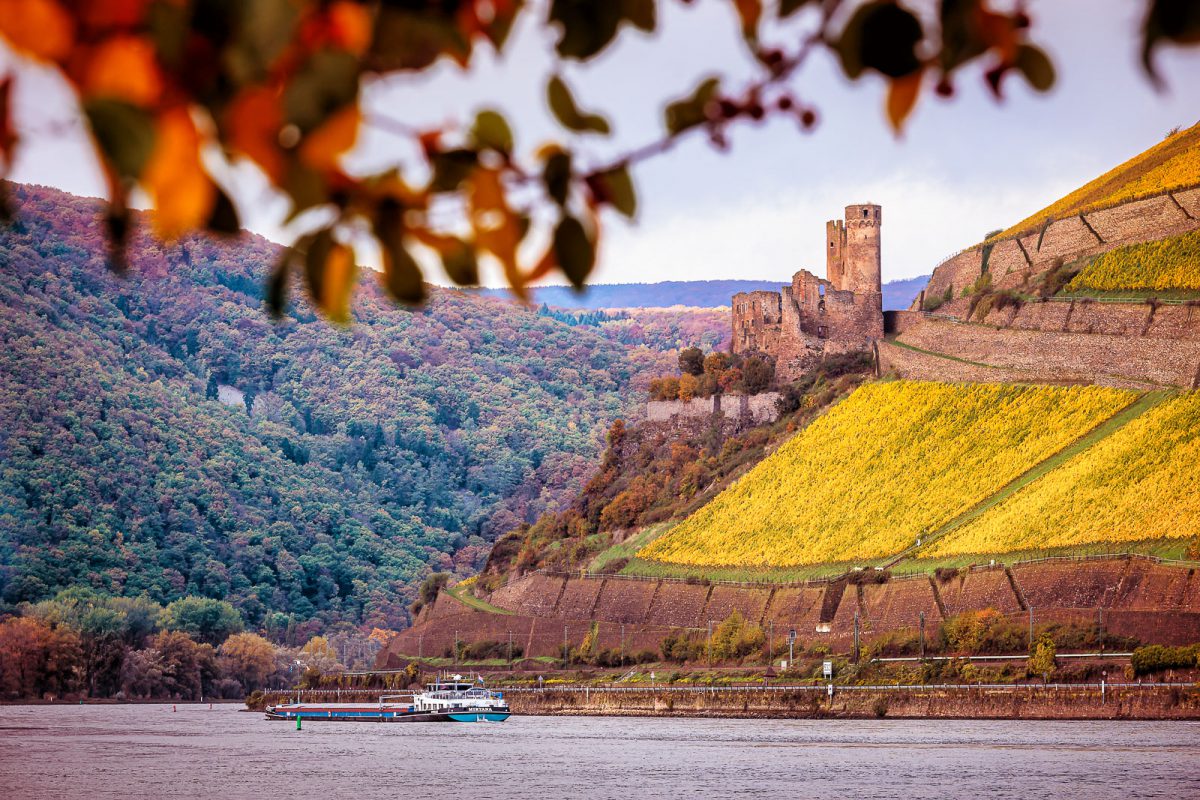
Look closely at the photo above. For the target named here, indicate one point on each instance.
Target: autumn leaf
(330, 271)
(749, 12)
(124, 68)
(497, 228)
(8, 136)
(350, 26)
(322, 148)
(39, 28)
(174, 176)
(902, 98)
(252, 123)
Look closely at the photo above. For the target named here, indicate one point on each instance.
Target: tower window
(866, 212)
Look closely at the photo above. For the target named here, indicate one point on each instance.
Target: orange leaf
(174, 177)
(544, 265)
(999, 32)
(902, 98)
(253, 121)
(8, 136)
(39, 28)
(749, 11)
(323, 147)
(107, 14)
(337, 283)
(497, 228)
(125, 68)
(350, 26)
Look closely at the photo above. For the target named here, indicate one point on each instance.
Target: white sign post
(827, 669)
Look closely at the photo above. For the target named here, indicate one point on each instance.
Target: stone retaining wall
(1054, 356)
(1094, 232)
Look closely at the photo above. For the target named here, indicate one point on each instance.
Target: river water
(150, 751)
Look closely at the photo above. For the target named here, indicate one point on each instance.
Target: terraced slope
(1171, 164)
(891, 463)
(1172, 263)
(1139, 483)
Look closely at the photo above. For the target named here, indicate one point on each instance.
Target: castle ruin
(813, 317)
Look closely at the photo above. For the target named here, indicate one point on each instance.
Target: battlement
(812, 316)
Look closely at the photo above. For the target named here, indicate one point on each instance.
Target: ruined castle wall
(900, 321)
(862, 270)
(701, 408)
(757, 409)
(756, 321)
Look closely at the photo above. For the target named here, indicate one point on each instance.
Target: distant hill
(359, 458)
(697, 294)
(899, 295)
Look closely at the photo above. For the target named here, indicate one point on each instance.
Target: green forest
(161, 436)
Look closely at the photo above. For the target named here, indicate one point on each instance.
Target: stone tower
(852, 254)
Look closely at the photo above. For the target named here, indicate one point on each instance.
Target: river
(151, 751)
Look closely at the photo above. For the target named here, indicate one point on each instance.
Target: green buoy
(297, 720)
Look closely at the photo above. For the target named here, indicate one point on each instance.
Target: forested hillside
(360, 458)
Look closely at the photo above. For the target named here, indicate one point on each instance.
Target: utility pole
(566, 647)
(622, 641)
(1031, 630)
(922, 618)
(855, 637)
(510, 648)
(771, 645)
(456, 647)
(1100, 627)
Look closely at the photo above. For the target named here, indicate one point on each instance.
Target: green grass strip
(916, 349)
(471, 601)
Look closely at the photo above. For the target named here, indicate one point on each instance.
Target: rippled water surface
(152, 752)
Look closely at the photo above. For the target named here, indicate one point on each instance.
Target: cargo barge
(452, 700)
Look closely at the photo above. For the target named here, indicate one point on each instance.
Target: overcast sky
(963, 167)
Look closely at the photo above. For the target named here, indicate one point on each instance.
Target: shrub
(613, 567)
(945, 574)
(1157, 657)
(1172, 263)
(1042, 661)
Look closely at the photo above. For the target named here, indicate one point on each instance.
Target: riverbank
(1054, 701)
(1067, 701)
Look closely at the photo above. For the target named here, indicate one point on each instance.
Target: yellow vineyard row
(892, 462)
(1139, 483)
(1172, 263)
